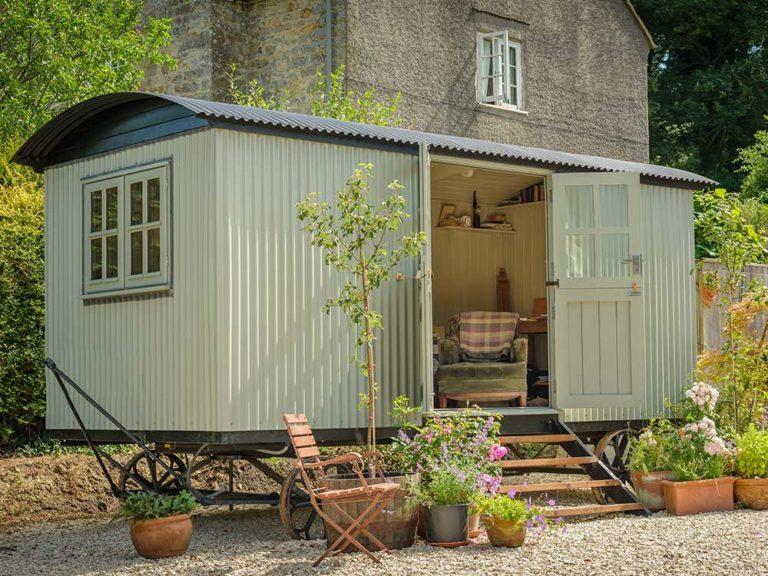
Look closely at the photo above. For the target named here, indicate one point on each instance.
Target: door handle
(635, 290)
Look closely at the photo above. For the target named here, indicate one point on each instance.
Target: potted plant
(752, 469)
(709, 284)
(467, 435)
(161, 524)
(507, 519)
(446, 495)
(356, 239)
(649, 466)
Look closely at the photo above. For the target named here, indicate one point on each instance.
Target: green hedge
(22, 309)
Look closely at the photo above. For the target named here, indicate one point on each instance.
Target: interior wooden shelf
(518, 205)
(474, 230)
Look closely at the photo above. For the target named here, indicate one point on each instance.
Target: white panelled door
(597, 244)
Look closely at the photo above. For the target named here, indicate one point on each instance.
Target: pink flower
(550, 502)
(498, 452)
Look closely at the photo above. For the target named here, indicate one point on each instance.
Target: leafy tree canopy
(54, 53)
(754, 166)
(708, 81)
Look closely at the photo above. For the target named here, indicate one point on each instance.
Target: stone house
(557, 74)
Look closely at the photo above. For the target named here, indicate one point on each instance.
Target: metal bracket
(636, 260)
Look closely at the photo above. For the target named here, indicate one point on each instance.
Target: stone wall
(584, 66)
(280, 43)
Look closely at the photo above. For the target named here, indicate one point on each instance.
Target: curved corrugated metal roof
(36, 150)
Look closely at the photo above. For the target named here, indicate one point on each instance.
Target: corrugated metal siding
(669, 292)
(281, 352)
(151, 362)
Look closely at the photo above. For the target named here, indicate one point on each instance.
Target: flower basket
(697, 496)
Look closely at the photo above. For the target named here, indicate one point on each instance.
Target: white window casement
(499, 70)
(127, 232)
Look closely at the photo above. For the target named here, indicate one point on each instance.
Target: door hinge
(636, 260)
(552, 283)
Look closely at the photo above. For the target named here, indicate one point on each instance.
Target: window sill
(502, 109)
(144, 293)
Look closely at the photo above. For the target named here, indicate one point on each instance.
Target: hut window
(126, 232)
(499, 70)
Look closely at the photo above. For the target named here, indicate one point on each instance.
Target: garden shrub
(752, 455)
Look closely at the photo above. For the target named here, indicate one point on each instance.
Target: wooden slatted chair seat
(312, 468)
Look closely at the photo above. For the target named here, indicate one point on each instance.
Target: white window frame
(127, 283)
(500, 46)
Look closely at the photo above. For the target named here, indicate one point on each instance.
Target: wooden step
(544, 462)
(538, 439)
(554, 486)
(591, 509)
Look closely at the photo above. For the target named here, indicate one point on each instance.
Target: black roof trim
(36, 152)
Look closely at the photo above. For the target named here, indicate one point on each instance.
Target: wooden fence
(710, 328)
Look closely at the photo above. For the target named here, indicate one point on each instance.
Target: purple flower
(550, 502)
(512, 493)
(489, 484)
(403, 437)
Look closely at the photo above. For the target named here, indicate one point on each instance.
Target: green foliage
(331, 99)
(650, 452)
(504, 507)
(689, 460)
(754, 166)
(254, 93)
(328, 98)
(359, 239)
(752, 456)
(722, 231)
(150, 505)
(54, 53)
(22, 309)
(44, 446)
(446, 487)
(708, 81)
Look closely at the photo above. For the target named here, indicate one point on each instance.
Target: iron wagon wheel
(141, 469)
(296, 511)
(613, 451)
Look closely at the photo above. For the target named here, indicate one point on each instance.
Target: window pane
(137, 242)
(137, 215)
(112, 256)
(112, 208)
(96, 211)
(615, 249)
(96, 259)
(153, 200)
(580, 255)
(153, 250)
(614, 205)
(580, 209)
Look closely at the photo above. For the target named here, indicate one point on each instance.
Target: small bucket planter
(162, 537)
(504, 533)
(474, 526)
(447, 524)
(697, 496)
(160, 524)
(752, 493)
(649, 489)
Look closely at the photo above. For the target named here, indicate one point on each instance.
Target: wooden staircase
(616, 496)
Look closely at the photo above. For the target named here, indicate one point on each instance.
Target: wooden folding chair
(312, 470)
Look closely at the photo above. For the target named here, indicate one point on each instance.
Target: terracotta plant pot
(649, 490)
(752, 492)
(162, 537)
(474, 526)
(504, 533)
(696, 496)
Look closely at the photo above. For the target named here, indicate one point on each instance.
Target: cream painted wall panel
(465, 263)
(669, 292)
(150, 362)
(281, 352)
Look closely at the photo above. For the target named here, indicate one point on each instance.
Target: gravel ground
(252, 542)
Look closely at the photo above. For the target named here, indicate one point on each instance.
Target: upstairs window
(499, 70)
(126, 235)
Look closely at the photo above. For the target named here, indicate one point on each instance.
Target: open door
(597, 244)
(425, 282)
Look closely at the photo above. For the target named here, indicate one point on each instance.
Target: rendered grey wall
(584, 68)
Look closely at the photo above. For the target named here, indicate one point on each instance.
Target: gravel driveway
(252, 542)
